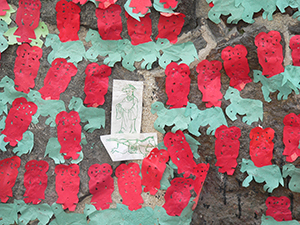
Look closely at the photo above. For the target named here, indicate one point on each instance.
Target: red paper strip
(129, 183)
(177, 84)
(3, 6)
(140, 6)
(104, 4)
(178, 195)
(26, 66)
(295, 46)
(169, 26)
(180, 152)
(96, 84)
(27, 19)
(68, 20)
(236, 66)
(67, 184)
(200, 171)
(153, 168)
(169, 3)
(35, 181)
(291, 136)
(227, 146)
(101, 185)
(278, 208)
(269, 52)
(261, 146)
(8, 175)
(139, 31)
(109, 22)
(209, 82)
(18, 119)
(57, 79)
(69, 133)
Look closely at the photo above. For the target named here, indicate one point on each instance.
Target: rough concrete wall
(223, 200)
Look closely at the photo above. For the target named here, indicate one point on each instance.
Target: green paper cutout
(132, 14)
(275, 83)
(73, 51)
(269, 174)
(3, 106)
(94, 116)
(144, 216)
(291, 76)
(269, 220)
(169, 117)
(3, 41)
(61, 217)
(42, 212)
(294, 173)
(25, 145)
(8, 213)
(3, 143)
(160, 7)
(169, 173)
(107, 217)
(45, 108)
(83, 139)
(193, 145)
(2, 123)
(9, 94)
(251, 107)
(95, 2)
(6, 17)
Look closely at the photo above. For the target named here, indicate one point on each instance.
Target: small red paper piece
(209, 82)
(57, 79)
(69, 133)
(129, 183)
(278, 208)
(227, 146)
(140, 6)
(211, 4)
(177, 84)
(27, 19)
(200, 171)
(104, 4)
(180, 152)
(35, 181)
(291, 136)
(178, 195)
(68, 20)
(18, 119)
(269, 52)
(27, 66)
(169, 3)
(96, 84)
(8, 175)
(153, 168)
(236, 66)
(169, 26)
(139, 31)
(67, 184)
(79, 1)
(110, 22)
(101, 185)
(3, 6)
(295, 46)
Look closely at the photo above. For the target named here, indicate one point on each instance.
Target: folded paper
(278, 208)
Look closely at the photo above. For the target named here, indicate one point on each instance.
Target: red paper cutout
(35, 181)
(153, 167)
(79, 1)
(27, 19)
(139, 31)
(180, 152)
(27, 66)
(96, 84)
(169, 26)
(178, 195)
(110, 22)
(3, 6)
(177, 84)
(236, 66)
(18, 119)
(209, 82)
(129, 183)
(200, 171)
(211, 4)
(57, 79)
(8, 175)
(291, 136)
(140, 6)
(104, 4)
(169, 3)
(269, 52)
(295, 46)
(101, 185)
(278, 208)
(227, 146)
(67, 185)
(261, 146)
(69, 133)
(68, 20)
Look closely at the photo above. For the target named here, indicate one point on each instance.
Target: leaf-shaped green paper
(2, 123)
(294, 173)
(8, 213)
(143, 215)
(9, 94)
(3, 41)
(3, 143)
(25, 145)
(7, 15)
(74, 51)
(131, 13)
(269, 220)
(160, 7)
(169, 173)
(61, 217)
(193, 144)
(291, 76)
(107, 217)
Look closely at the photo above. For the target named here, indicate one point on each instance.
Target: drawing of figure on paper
(127, 110)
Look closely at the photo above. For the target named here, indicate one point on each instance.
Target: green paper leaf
(160, 7)
(169, 173)
(2, 123)
(95, 2)
(25, 145)
(3, 143)
(107, 217)
(73, 51)
(83, 139)
(131, 13)
(144, 216)
(9, 94)
(8, 213)
(269, 220)
(3, 41)
(294, 173)
(61, 217)
(6, 17)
